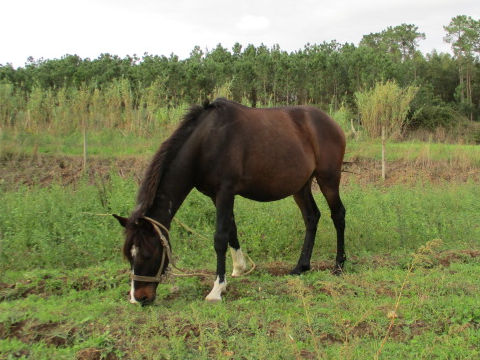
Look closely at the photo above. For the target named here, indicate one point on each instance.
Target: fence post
(84, 148)
(383, 152)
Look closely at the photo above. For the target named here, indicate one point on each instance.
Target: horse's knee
(316, 216)
(220, 243)
(338, 216)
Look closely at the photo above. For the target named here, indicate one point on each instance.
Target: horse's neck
(172, 191)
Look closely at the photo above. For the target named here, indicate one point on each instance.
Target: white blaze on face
(218, 288)
(132, 291)
(134, 252)
(239, 264)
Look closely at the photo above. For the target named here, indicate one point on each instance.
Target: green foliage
(53, 221)
(58, 227)
(429, 111)
(400, 42)
(133, 93)
(387, 106)
(63, 312)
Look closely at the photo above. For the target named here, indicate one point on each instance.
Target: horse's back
(264, 154)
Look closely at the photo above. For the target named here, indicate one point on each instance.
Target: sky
(53, 28)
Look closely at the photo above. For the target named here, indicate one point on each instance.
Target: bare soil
(44, 170)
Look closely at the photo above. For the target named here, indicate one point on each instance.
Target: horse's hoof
(338, 269)
(218, 288)
(298, 270)
(239, 264)
(237, 272)
(213, 300)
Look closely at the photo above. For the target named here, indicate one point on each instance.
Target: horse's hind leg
(238, 259)
(239, 264)
(330, 189)
(311, 215)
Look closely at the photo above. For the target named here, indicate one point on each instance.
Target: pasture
(410, 287)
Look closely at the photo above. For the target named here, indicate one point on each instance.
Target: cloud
(53, 28)
(253, 23)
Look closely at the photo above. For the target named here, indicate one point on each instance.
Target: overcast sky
(53, 28)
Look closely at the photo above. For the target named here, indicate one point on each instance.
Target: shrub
(429, 111)
(386, 105)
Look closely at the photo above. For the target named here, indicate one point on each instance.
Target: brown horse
(225, 149)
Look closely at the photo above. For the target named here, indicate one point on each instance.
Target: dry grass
(386, 106)
(423, 255)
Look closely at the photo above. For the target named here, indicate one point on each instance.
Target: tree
(400, 42)
(463, 32)
(383, 111)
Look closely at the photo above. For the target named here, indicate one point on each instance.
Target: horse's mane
(164, 157)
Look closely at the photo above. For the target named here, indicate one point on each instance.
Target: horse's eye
(146, 255)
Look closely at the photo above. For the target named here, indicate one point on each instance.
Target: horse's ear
(122, 220)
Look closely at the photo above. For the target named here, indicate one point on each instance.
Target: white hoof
(216, 293)
(239, 264)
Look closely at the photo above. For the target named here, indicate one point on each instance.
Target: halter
(167, 252)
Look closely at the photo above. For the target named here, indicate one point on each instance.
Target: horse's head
(145, 250)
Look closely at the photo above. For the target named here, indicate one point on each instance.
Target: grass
(414, 150)
(64, 284)
(317, 315)
(116, 142)
(106, 143)
(63, 218)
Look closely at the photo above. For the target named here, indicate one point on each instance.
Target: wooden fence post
(383, 152)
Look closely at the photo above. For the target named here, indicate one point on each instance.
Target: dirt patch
(384, 290)
(406, 332)
(12, 330)
(452, 256)
(307, 354)
(55, 334)
(400, 331)
(94, 354)
(62, 284)
(275, 327)
(181, 328)
(280, 268)
(368, 171)
(46, 169)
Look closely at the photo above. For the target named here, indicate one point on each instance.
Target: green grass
(106, 143)
(111, 143)
(37, 220)
(317, 315)
(413, 150)
(64, 283)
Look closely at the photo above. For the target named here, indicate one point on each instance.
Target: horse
(225, 149)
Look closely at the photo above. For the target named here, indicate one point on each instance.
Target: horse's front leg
(224, 203)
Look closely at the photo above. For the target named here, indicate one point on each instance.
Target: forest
(118, 92)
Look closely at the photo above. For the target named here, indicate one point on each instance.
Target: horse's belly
(275, 186)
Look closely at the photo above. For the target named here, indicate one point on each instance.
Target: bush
(429, 111)
(386, 105)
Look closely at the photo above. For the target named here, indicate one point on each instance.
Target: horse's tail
(163, 158)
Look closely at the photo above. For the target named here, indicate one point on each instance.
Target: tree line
(330, 75)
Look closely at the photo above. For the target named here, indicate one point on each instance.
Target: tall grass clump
(344, 117)
(11, 102)
(387, 106)
(72, 109)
